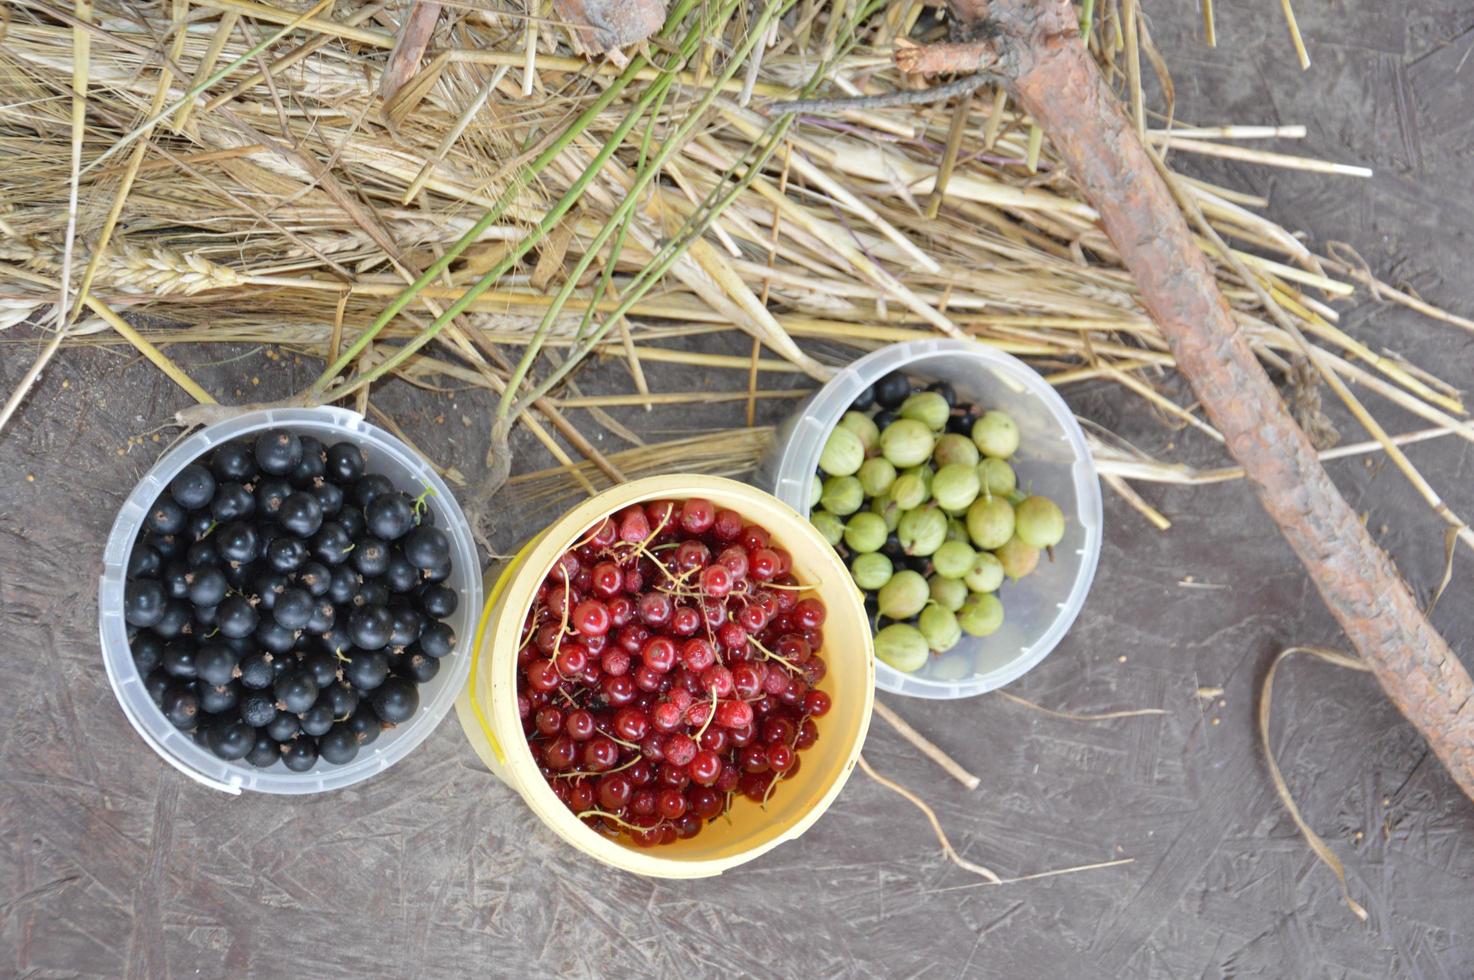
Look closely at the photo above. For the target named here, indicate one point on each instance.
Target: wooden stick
(926, 747)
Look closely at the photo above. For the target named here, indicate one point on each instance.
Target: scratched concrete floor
(112, 864)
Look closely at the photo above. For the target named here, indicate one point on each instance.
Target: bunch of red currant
(667, 664)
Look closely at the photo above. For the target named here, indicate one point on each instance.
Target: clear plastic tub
(386, 455)
(1053, 460)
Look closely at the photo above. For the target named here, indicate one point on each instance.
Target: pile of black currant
(284, 605)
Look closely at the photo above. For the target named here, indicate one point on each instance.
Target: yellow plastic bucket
(487, 707)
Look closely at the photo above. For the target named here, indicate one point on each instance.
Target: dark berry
(962, 423)
(278, 452)
(316, 721)
(315, 577)
(157, 685)
(175, 621)
(344, 462)
(366, 669)
(207, 586)
(312, 466)
(406, 625)
(256, 672)
(143, 562)
(193, 487)
(329, 497)
(370, 627)
(883, 419)
(396, 700)
(401, 576)
(206, 619)
(342, 698)
(215, 663)
(293, 608)
(283, 726)
(324, 617)
(265, 752)
(370, 557)
(238, 542)
(427, 547)
(181, 706)
(143, 602)
(274, 637)
(233, 462)
(178, 659)
(165, 517)
(300, 754)
(371, 487)
(286, 554)
(257, 709)
(175, 580)
(334, 641)
(295, 691)
(323, 667)
(232, 502)
(237, 616)
(420, 668)
(167, 545)
(268, 587)
(339, 745)
(220, 697)
(351, 517)
(437, 639)
(948, 393)
(389, 516)
(365, 725)
(344, 584)
(230, 739)
(301, 514)
(332, 543)
(270, 495)
(202, 552)
(438, 601)
(371, 593)
(864, 400)
(892, 389)
(148, 653)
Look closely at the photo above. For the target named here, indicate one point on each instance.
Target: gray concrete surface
(112, 864)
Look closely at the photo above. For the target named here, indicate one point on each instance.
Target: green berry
(910, 491)
(981, 614)
(957, 531)
(816, 490)
(871, 571)
(831, 528)
(985, 574)
(940, 628)
(953, 559)
(955, 487)
(997, 477)
(906, 442)
(927, 407)
(888, 510)
(950, 593)
(996, 434)
(1018, 558)
(955, 448)
(903, 596)
(842, 495)
(1039, 522)
(876, 476)
(865, 532)
(903, 647)
(843, 453)
(989, 522)
(863, 426)
(922, 531)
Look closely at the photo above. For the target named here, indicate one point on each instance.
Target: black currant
(396, 700)
(370, 487)
(278, 452)
(148, 653)
(345, 583)
(295, 691)
(143, 562)
(366, 669)
(365, 725)
(948, 393)
(238, 542)
(264, 752)
(315, 577)
(231, 739)
(406, 626)
(242, 576)
(401, 577)
(371, 592)
(293, 608)
(312, 466)
(256, 672)
(317, 719)
(165, 517)
(202, 553)
(342, 698)
(286, 554)
(176, 620)
(257, 709)
(329, 497)
(883, 419)
(268, 587)
(270, 495)
(193, 487)
(427, 547)
(962, 423)
(323, 667)
(438, 572)
(274, 637)
(389, 516)
(237, 617)
(369, 627)
(283, 726)
(167, 545)
(370, 557)
(339, 745)
(324, 617)
(438, 601)
(892, 389)
(232, 502)
(420, 668)
(144, 602)
(300, 754)
(437, 639)
(332, 543)
(219, 697)
(233, 462)
(157, 684)
(300, 514)
(345, 462)
(181, 705)
(351, 517)
(175, 580)
(215, 663)
(334, 641)
(864, 400)
(207, 586)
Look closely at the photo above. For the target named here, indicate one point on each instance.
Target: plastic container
(488, 707)
(386, 455)
(1053, 460)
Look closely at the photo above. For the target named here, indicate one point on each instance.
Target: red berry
(671, 804)
(600, 753)
(717, 680)
(815, 670)
(634, 580)
(775, 681)
(747, 680)
(641, 773)
(734, 559)
(621, 609)
(754, 785)
(733, 714)
(673, 776)
(618, 691)
(697, 654)
(808, 734)
(580, 797)
(571, 659)
(655, 609)
(615, 790)
(579, 725)
(716, 581)
(762, 564)
(680, 749)
(727, 525)
(590, 617)
(753, 538)
(595, 644)
(647, 679)
(548, 720)
(642, 803)
(704, 803)
(809, 614)
(780, 758)
(714, 611)
(698, 515)
(793, 648)
(616, 662)
(542, 675)
(652, 748)
(714, 739)
(754, 758)
(631, 724)
(691, 555)
(696, 713)
(727, 781)
(685, 621)
(662, 514)
(603, 534)
(778, 730)
(816, 703)
(634, 527)
(659, 653)
(666, 716)
(753, 618)
(558, 754)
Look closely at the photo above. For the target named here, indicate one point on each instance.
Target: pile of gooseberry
(667, 666)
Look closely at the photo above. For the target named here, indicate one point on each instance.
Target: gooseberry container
(384, 454)
(487, 708)
(1053, 460)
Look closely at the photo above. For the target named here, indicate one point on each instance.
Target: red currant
(697, 654)
(548, 720)
(659, 653)
(631, 724)
(579, 725)
(590, 617)
(816, 704)
(733, 714)
(697, 515)
(542, 675)
(615, 790)
(716, 581)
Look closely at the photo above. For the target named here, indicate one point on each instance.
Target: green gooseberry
(957, 531)
(989, 522)
(903, 596)
(863, 426)
(910, 491)
(1039, 522)
(905, 442)
(949, 593)
(981, 614)
(871, 571)
(955, 448)
(927, 407)
(842, 495)
(1018, 559)
(985, 574)
(831, 528)
(940, 627)
(953, 559)
(922, 530)
(816, 490)
(997, 477)
(888, 510)
(902, 647)
(843, 453)
(996, 434)
(865, 532)
(876, 476)
(955, 486)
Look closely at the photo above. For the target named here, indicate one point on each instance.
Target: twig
(1072, 716)
(936, 825)
(925, 96)
(926, 747)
